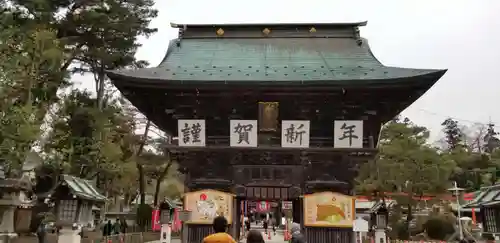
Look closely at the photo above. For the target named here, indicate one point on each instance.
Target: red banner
(176, 223)
(155, 220)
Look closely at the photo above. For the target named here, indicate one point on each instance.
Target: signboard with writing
(329, 209)
(191, 133)
(295, 133)
(348, 134)
(205, 205)
(243, 133)
(360, 225)
(286, 205)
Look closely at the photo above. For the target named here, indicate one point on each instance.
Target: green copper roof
(270, 59)
(83, 188)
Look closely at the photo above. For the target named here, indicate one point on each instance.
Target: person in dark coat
(265, 224)
(247, 224)
(273, 222)
(107, 230)
(297, 237)
(124, 226)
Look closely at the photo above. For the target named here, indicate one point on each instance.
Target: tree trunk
(140, 168)
(100, 87)
(409, 215)
(160, 180)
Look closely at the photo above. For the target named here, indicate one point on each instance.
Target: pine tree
(453, 134)
(491, 142)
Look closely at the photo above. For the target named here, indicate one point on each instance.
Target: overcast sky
(460, 35)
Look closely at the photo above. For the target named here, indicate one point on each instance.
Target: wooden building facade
(273, 112)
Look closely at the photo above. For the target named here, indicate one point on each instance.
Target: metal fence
(121, 238)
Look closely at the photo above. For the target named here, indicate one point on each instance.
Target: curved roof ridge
(370, 52)
(171, 43)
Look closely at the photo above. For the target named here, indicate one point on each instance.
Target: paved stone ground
(278, 238)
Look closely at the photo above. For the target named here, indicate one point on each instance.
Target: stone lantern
(12, 196)
(382, 217)
(166, 208)
(381, 223)
(74, 198)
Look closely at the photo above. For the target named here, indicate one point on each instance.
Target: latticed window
(84, 212)
(67, 210)
(491, 225)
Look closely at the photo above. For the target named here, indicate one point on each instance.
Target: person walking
(107, 229)
(255, 236)
(247, 225)
(273, 223)
(220, 236)
(265, 224)
(124, 226)
(117, 227)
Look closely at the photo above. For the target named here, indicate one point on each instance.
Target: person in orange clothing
(220, 235)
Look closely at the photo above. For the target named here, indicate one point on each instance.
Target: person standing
(117, 228)
(220, 236)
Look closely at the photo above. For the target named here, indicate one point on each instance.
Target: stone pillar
(166, 233)
(70, 234)
(7, 209)
(7, 220)
(380, 236)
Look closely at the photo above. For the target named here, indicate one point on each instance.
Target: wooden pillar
(235, 219)
(297, 209)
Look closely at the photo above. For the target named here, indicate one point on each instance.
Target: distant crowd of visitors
(220, 226)
(113, 229)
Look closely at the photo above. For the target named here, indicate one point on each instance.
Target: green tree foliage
(88, 142)
(453, 134)
(474, 154)
(491, 141)
(30, 59)
(95, 35)
(407, 165)
(438, 228)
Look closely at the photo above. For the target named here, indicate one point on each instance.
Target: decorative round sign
(203, 197)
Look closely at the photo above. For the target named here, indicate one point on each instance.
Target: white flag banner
(295, 133)
(348, 134)
(191, 133)
(243, 133)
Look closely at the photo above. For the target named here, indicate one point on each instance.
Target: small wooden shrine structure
(74, 199)
(487, 202)
(272, 112)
